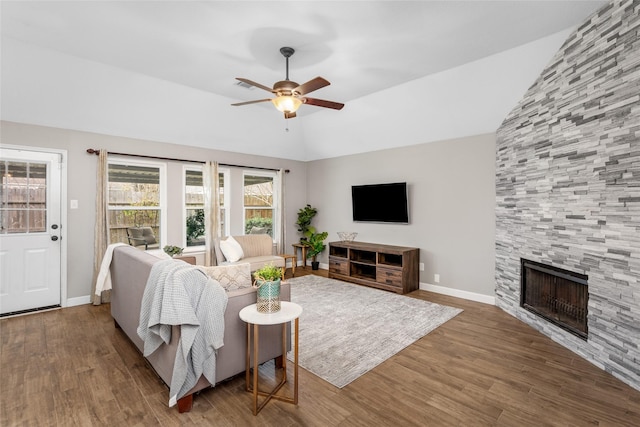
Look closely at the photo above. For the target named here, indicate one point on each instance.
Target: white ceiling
(361, 47)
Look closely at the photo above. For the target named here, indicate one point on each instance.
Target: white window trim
(162, 206)
(268, 174)
(188, 249)
(227, 200)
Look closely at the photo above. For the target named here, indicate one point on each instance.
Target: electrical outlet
(436, 278)
(422, 266)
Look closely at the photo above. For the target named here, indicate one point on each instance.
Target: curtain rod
(97, 152)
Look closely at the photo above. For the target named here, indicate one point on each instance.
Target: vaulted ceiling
(165, 70)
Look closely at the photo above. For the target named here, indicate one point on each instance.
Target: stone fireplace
(555, 294)
(568, 189)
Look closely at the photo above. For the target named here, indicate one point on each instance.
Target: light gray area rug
(347, 330)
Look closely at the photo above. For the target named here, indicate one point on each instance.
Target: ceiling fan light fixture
(289, 94)
(287, 103)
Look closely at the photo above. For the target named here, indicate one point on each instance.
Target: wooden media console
(392, 268)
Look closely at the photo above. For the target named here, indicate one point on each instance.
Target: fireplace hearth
(555, 294)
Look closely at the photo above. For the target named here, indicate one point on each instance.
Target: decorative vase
(268, 300)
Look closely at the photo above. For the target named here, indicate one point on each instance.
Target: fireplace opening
(557, 295)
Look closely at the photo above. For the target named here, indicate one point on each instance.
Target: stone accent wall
(568, 185)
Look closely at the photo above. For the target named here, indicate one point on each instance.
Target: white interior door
(30, 230)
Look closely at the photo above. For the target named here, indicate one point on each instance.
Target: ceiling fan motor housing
(285, 88)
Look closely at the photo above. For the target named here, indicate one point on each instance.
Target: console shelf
(392, 268)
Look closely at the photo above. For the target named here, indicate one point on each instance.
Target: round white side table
(289, 311)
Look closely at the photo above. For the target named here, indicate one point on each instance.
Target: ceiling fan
(289, 94)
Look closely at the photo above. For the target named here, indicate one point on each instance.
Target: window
(258, 203)
(136, 203)
(23, 197)
(194, 205)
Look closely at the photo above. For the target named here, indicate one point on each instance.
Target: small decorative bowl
(347, 236)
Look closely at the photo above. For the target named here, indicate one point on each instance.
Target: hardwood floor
(72, 367)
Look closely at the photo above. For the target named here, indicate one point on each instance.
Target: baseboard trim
(72, 302)
(472, 296)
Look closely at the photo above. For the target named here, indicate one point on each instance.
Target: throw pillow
(230, 277)
(231, 249)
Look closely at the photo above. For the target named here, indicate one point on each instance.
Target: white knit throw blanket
(179, 294)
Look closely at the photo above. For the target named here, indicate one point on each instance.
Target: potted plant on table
(315, 245)
(267, 280)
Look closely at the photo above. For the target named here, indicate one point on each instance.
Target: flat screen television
(380, 203)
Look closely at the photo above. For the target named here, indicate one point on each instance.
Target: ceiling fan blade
(311, 85)
(289, 115)
(323, 103)
(251, 102)
(252, 83)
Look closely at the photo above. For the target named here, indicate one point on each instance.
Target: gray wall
(451, 202)
(81, 175)
(568, 185)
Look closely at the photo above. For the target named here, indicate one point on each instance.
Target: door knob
(54, 238)
(54, 226)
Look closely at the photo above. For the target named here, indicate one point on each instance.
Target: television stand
(392, 268)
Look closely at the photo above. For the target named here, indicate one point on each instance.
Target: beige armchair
(258, 251)
(142, 236)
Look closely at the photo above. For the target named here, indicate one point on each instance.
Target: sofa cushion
(258, 262)
(254, 245)
(231, 249)
(232, 277)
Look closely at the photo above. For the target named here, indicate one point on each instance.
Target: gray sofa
(130, 269)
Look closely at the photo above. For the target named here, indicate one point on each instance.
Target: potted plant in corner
(267, 280)
(315, 245)
(305, 215)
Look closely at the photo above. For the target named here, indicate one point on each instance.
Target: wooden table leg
(255, 370)
(247, 379)
(284, 352)
(294, 261)
(303, 249)
(295, 366)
